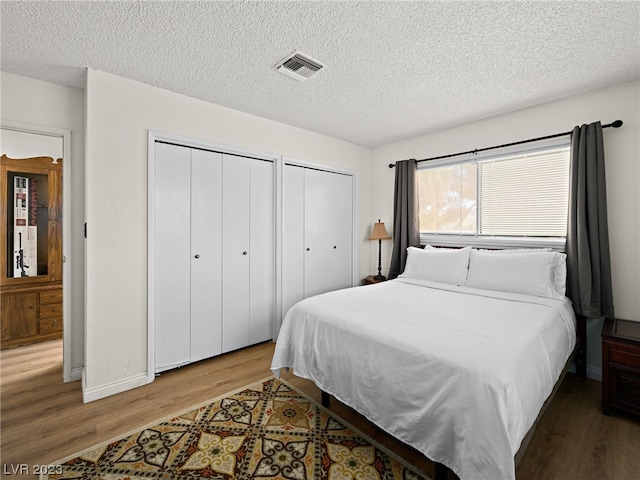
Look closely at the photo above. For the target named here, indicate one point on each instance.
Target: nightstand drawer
(628, 359)
(625, 392)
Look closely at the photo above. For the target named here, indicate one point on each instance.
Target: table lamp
(379, 233)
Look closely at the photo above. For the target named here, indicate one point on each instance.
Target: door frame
(154, 136)
(67, 253)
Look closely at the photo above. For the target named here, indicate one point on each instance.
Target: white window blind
(515, 195)
(525, 196)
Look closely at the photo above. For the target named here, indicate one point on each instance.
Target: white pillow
(529, 273)
(444, 266)
(560, 279)
(560, 274)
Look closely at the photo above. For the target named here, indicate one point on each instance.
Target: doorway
(34, 272)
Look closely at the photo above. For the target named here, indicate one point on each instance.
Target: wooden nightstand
(370, 280)
(621, 366)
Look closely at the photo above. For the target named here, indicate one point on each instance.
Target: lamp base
(379, 277)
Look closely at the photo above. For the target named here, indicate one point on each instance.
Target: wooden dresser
(30, 250)
(621, 366)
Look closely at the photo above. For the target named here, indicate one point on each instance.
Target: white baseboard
(76, 374)
(594, 372)
(96, 393)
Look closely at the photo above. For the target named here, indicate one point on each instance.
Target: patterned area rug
(267, 430)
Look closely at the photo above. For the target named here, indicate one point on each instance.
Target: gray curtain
(588, 260)
(405, 215)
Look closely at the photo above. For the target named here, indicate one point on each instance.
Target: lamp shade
(379, 232)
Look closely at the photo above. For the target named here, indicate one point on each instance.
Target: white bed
(459, 373)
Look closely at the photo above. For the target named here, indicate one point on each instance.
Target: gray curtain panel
(406, 231)
(588, 260)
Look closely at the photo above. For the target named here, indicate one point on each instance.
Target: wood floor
(43, 419)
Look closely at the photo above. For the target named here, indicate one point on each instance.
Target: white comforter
(458, 373)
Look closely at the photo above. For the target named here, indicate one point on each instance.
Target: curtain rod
(615, 124)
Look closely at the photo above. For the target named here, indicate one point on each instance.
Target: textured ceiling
(394, 69)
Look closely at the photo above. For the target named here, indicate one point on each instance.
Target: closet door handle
(335, 247)
(308, 249)
(196, 256)
(245, 252)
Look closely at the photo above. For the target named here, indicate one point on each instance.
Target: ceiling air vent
(299, 66)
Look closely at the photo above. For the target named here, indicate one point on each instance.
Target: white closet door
(206, 254)
(317, 221)
(261, 248)
(327, 227)
(293, 250)
(236, 258)
(172, 283)
(342, 231)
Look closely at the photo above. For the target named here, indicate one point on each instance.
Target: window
(512, 197)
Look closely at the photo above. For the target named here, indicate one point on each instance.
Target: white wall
(622, 154)
(119, 114)
(25, 144)
(41, 104)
